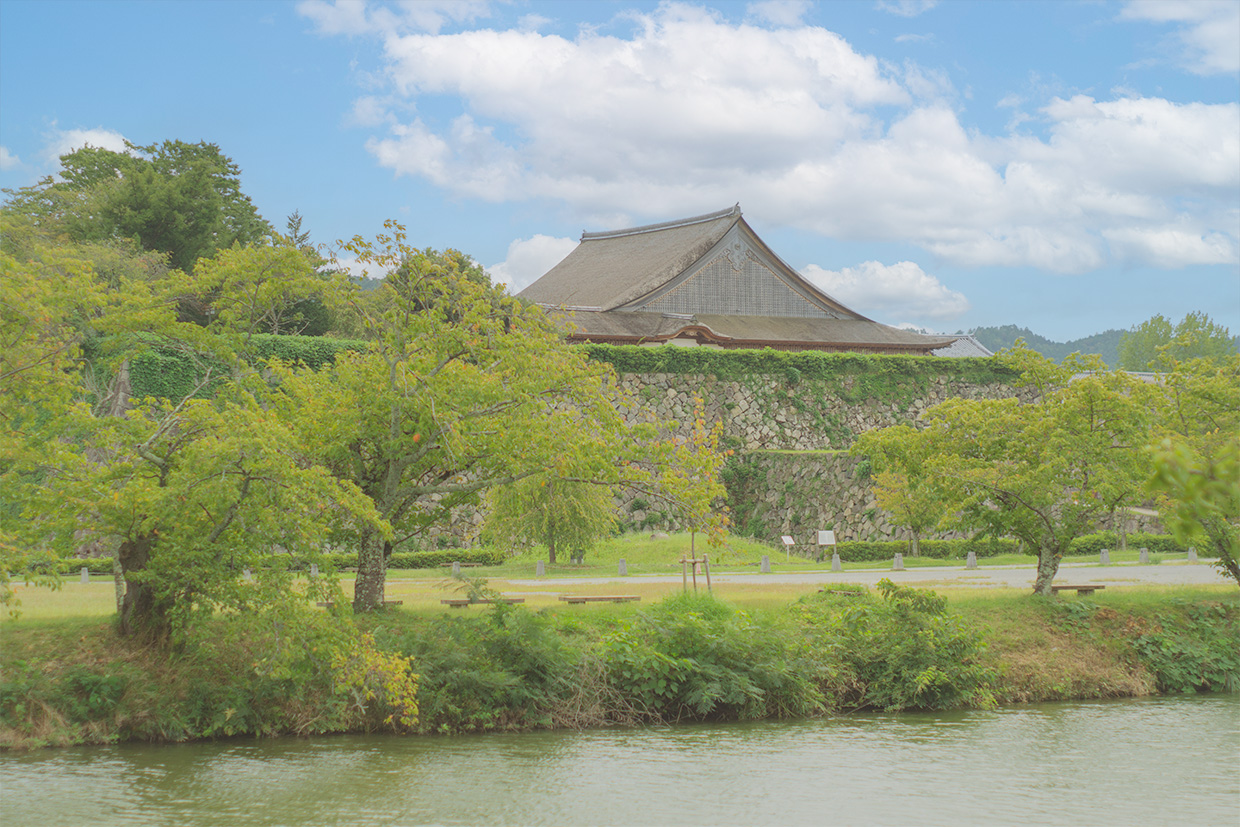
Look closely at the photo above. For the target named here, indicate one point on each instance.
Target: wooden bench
(599, 598)
(462, 602)
(323, 605)
(1083, 590)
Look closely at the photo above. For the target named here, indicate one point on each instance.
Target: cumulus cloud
(688, 113)
(900, 289)
(8, 160)
(528, 259)
(356, 17)
(1207, 36)
(64, 141)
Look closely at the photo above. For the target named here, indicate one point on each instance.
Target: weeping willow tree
(556, 512)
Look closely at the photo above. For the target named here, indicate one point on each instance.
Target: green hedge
(868, 551)
(1092, 544)
(796, 366)
(162, 372)
(339, 560)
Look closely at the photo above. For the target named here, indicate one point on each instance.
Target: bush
(693, 656)
(904, 650)
(1196, 652)
(858, 551)
(1093, 544)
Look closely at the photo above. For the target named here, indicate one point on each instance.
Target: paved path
(1020, 577)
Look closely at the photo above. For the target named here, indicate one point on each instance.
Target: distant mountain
(1105, 344)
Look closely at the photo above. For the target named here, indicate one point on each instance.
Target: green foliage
(1194, 651)
(905, 650)
(560, 514)
(1156, 344)
(506, 672)
(882, 378)
(695, 657)
(180, 199)
(1045, 472)
(857, 551)
(1093, 544)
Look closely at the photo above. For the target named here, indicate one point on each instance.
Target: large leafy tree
(556, 512)
(1157, 343)
(1197, 456)
(193, 489)
(461, 389)
(180, 199)
(1045, 471)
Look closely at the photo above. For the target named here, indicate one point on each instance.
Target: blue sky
(1069, 167)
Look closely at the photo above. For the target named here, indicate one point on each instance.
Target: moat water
(1160, 761)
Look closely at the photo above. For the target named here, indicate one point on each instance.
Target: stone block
(897, 563)
(85, 574)
(766, 564)
(623, 568)
(971, 561)
(1105, 557)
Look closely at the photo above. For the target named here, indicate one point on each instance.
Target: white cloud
(529, 259)
(905, 8)
(8, 160)
(64, 141)
(689, 113)
(779, 12)
(1208, 34)
(900, 289)
(357, 17)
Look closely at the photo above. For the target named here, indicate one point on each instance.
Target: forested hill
(1105, 344)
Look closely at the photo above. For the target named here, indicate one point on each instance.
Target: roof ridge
(734, 210)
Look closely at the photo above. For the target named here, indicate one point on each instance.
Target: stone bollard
(314, 569)
(1192, 555)
(897, 564)
(247, 574)
(540, 570)
(85, 574)
(766, 564)
(456, 568)
(624, 568)
(970, 562)
(1105, 558)
(835, 562)
(1143, 556)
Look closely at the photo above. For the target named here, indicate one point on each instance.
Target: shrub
(693, 656)
(1092, 544)
(1198, 651)
(904, 650)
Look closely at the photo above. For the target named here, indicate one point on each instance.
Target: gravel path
(1131, 574)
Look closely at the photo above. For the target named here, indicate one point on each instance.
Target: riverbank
(681, 658)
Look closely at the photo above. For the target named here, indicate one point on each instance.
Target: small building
(706, 281)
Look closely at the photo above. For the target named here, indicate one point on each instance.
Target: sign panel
(826, 538)
(787, 540)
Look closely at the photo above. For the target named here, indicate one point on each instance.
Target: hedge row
(735, 364)
(1092, 544)
(162, 372)
(865, 551)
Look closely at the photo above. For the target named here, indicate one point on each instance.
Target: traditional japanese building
(705, 281)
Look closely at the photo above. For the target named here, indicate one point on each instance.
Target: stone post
(766, 564)
(835, 562)
(623, 568)
(314, 569)
(970, 562)
(85, 574)
(897, 564)
(1192, 555)
(1143, 556)
(540, 570)
(247, 574)
(1105, 558)
(456, 568)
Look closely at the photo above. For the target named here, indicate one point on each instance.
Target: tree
(913, 502)
(1156, 343)
(176, 198)
(461, 389)
(1197, 456)
(193, 490)
(555, 512)
(1044, 472)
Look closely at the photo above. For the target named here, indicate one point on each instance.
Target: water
(1157, 761)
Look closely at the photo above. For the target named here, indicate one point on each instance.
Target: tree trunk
(915, 545)
(118, 582)
(1048, 567)
(140, 611)
(371, 574)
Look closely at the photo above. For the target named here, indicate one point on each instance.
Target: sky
(1069, 167)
